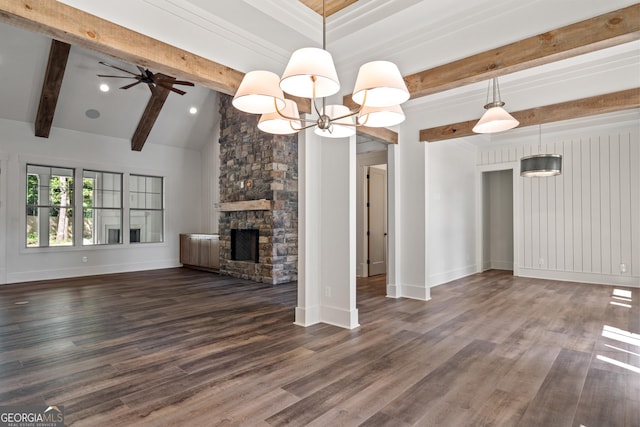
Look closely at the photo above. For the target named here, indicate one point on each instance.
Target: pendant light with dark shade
(541, 165)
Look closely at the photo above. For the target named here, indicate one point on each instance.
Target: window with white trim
(146, 209)
(101, 208)
(49, 208)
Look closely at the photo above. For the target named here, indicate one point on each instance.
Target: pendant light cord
(324, 27)
(324, 47)
(540, 139)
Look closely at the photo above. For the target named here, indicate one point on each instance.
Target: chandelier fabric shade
(381, 116)
(380, 84)
(310, 68)
(259, 93)
(495, 119)
(279, 125)
(311, 73)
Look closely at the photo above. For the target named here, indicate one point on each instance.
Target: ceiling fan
(151, 79)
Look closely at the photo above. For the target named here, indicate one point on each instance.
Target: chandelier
(310, 73)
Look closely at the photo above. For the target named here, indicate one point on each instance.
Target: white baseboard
(339, 317)
(448, 276)
(307, 316)
(501, 265)
(569, 276)
(65, 273)
(393, 291)
(419, 292)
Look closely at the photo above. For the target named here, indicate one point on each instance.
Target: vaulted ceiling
(260, 34)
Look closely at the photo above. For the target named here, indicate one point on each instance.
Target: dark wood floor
(183, 347)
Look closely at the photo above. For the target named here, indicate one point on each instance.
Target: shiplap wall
(584, 224)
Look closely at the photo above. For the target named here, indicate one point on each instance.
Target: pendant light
(541, 165)
(496, 118)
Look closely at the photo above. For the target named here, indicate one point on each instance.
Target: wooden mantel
(246, 205)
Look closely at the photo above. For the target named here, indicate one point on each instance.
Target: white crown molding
(364, 14)
(418, 34)
(292, 14)
(221, 29)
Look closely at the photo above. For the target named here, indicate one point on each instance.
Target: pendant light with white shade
(310, 73)
(495, 119)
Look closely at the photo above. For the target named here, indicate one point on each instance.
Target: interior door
(377, 215)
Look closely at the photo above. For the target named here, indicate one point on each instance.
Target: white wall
(585, 223)
(451, 207)
(183, 201)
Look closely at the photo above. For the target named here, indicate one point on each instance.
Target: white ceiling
(260, 34)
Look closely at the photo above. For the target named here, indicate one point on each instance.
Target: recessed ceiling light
(92, 114)
(193, 110)
(104, 87)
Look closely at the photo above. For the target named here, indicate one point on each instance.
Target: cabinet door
(214, 258)
(185, 249)
(203, 252)
(189, 250)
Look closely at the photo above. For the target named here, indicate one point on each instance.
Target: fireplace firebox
(244, 245)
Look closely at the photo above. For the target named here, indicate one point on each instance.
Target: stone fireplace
(259, 197)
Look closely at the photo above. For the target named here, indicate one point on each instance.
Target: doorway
(497, 220)
(377, 219)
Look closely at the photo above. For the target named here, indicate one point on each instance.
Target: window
(146, 209)
(101, 208)
(49, 206)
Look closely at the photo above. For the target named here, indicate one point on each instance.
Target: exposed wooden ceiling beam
(58, 55)
(383, 134)
(611, 29)
(158, 96)
(79, 28)
(600, 32)
(608, 103)
(331, 6)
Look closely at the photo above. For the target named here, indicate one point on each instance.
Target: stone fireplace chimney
(258, 191)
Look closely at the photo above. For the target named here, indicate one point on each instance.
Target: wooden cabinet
(200, 251)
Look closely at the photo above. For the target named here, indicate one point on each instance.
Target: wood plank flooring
(181, 347)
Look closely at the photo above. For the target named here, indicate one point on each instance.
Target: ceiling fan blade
(117, 68)
(182, 82)
(131, 85)
(178, 91)
(168, 85)
(170, 80)
(116, 77)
